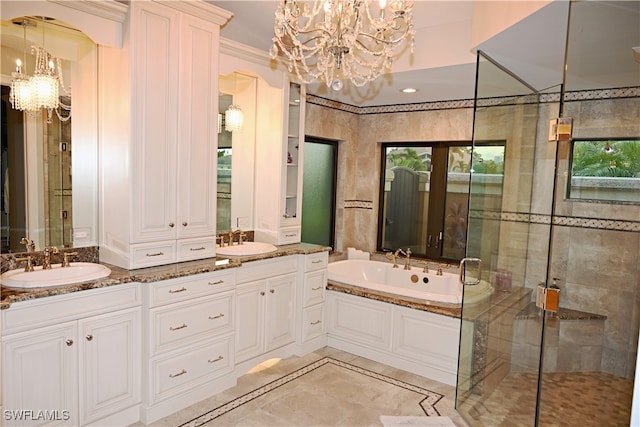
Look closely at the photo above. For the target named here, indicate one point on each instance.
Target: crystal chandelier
(332, 40)
(42, 90)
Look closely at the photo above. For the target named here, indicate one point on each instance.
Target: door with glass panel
(506, 250)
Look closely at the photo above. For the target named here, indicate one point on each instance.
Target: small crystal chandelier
(332, 40)
(42, 90)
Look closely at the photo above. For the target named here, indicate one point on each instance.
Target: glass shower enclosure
(520, 364)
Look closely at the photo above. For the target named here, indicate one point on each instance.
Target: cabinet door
(40, 374)
(155, 85)
(197, 127)
(280, 321)
(250, 311)
(110, 357)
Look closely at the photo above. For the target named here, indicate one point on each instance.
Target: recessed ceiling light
(409, 90)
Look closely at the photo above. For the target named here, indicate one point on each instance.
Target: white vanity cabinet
(75, 357)
(159, 154)
(313, 275)
(265, 307)
(188, 352)
(279, 187)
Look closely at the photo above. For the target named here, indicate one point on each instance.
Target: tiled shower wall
(595, 245)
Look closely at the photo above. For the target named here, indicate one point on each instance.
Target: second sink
(246, 249)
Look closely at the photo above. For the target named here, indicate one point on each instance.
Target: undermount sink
(246, 249)
(77, 272)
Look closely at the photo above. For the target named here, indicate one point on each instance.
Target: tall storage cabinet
(159, 167)
(279, 196)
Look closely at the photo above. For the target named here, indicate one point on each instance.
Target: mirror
(49, 166)
(236, 153)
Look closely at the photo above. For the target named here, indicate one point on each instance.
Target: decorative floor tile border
(427, 404)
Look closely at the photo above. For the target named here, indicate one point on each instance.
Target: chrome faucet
(46, 263)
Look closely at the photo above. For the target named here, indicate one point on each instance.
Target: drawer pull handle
(69, 342)
(316, 322)
(318, 261)
(178, 374)
(156, 254)
(89, 337)
(172, 291)
(217, 359)
(216, 317)
(290, 235)
(171, 328)
(316, 289)
(217, 282)
(201, 248)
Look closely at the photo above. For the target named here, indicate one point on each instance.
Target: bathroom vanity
(142, 344)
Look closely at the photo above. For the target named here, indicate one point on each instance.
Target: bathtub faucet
(407, 258)
(393, 256)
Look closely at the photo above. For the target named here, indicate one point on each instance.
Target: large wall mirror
(236, 152)
(49, 161)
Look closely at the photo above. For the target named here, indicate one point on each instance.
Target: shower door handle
(462, 271)
(429, 241)
(438, 240)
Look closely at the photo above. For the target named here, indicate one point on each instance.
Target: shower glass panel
(499, 357)
(591, 343)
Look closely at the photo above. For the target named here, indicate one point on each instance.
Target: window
(606, 170)
(425, 195)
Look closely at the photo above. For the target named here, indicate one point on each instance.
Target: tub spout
(407, 258)
(393, 256)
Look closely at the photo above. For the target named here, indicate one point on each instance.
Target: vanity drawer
(258, 270)
(190, 249)
(315, 284)
(312, 322)
(150, 254)
(61, 308)
(288, 236)
(198, 364)
(184, 323)
(184, 288)
(316, 261)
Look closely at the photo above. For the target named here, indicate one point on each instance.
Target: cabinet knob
(69, 342)
(89, 337)
(185, 223)
(261, 292)
(171, 225)
(273, 291)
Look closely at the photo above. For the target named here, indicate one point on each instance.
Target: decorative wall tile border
(358, 204)
(584, 95)
(565, 221)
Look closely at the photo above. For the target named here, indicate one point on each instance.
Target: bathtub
(414, 283)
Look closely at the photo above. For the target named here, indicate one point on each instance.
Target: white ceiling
(443, 65)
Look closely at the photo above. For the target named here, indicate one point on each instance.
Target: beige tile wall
(599, 269)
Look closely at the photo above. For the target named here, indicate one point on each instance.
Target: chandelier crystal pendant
(332, 40)
(42, 89)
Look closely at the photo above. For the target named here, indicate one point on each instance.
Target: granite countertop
(446, 309)
(121, 276)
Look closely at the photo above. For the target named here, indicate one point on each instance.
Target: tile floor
(324, 388)
(330, 387)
